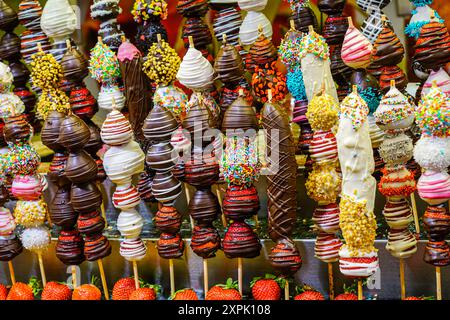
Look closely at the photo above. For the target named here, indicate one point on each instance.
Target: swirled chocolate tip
(241, 242)
(96, 247)
(170, 246)
(168, 219)
(285, 257)
(69, 248)
(204, 207)
(205, 241)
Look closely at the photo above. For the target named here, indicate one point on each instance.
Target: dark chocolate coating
(364, 80)
(205, 241)
(50, 130)
(21, 76)
(437, 253)
(331, 7)
(204, 207)
(165, 186)
(340, 71)
(85, 198)
(366, 5)
(161, 156)
(168, 220)
(334, 29)
(82, 102)
(387, 49)
(192, 8)
(303, 18)
(159, 125)
(74, 65)
(261, 53)
(57, 171)
(96, 247)
(10, 248)
(178, 170)
(61, 210)
(148, 34)
(80, 167)
(4, 195)
(95, 141)
(432, 49)
(436, 222)
(74, 134)
(138, 94)
(229, 65)
(8, 17)
(240, 115)
(197, 121)
(170, 246)
(240, 241)
(90, 223)
(10, 47)
(201, 173)
(145, 187)
(285, 257)
(17, 130)
(240, 204)
(105, 11)
(392, 73)
(69, 248)
(199, 31)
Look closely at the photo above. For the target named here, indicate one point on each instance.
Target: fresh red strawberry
(87, 292)
(185, 294)
(20, 291)
(56, 291)
(143, 294)
(123, 289)
(3, 292)
(346, 296)
(226, 291)
(306, 292)
(419, 298)
(268, 288)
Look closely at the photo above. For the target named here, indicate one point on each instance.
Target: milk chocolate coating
(387, 49)
(17, 129)
(205, 241)
(74, 65)
(285, 257)
(303, 18)
(201, 173)
(334, 29)
(85, 197)
(392, 73)
(161, 157)
(261, 53)
(101, 174)
(178, 170)
(9, 47)
(339, 70)
(90, 223)
(204, 207)
(281, 187)
(57, 171)
(240, 115)
(240, 241)
(364, 80)
(8, 17)
(138, 94)
(51, 129)
(170, 246)
(168, 220)
(80, 167)
(148, 34)
(82, 102)
(159, 125)
(61, 210)
(229, 65)
(69, 248)
(199, 31)
(10, 248)
(165, 186)
(197, 121)
(240, 204)
(96, 247)
(192, 8)
(331, 7)
(95, 141)
(432, 49)
(437, 222)
(74, 134)
(437, 253)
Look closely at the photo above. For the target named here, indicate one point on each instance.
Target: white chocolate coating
(107, 95)
(401, 243)
(133, 249)
(130, 223)
(58, 19)
(196, 73)
(248, 33)
(35, 239)
(442, 81)
(357, 268)
(252, 5)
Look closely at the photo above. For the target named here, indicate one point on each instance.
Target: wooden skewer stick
(68, 44)
(438, 284)
(191, 42)
(350, 21)
(123, 38)
(172, 277)
(102, 207)
(99, 39)
(402, 279)
(330, 280)
(240, 275)
(39, 46)
(219, 198)
(286, 287)
(136, 274)
(11, 272)
(311, 29)
(158, 37)
(292, 23)
(188, 200)
(205, 276)
(415, 214)
(42, 269)
(74, 277)
(103, 277)
(360, 290)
